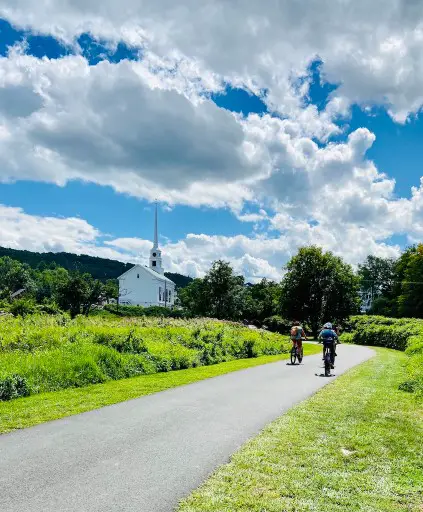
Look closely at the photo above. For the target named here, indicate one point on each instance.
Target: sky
(259, 127)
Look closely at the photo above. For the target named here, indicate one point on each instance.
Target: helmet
(328, 325)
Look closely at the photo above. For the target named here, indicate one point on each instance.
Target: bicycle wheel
(328, 364)
(293, 355)
(300, 355)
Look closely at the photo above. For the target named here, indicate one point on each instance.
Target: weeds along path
(147, 454)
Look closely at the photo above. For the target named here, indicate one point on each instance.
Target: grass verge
(26, 412)
(355, 446)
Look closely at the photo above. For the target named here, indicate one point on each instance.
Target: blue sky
(125, 214)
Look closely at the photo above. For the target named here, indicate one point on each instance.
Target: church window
(138, 276)
(154, 263)
(160, 294)
(170, 295)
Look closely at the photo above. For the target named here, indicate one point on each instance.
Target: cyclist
(329, 337)
(297, 335)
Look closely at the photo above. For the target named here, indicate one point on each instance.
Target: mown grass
(355, 446)
(398, 333)
(30, 411)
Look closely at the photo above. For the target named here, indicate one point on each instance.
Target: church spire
(156, 236)
(156, 254)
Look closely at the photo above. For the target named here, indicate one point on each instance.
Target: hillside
(99, 268)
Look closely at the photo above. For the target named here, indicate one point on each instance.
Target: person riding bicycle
(329, 339)
(297, 335)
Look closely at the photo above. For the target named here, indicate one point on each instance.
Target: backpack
(295, 330)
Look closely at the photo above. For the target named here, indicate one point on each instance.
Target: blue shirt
(327, 334)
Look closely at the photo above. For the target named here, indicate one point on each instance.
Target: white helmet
(328, 326)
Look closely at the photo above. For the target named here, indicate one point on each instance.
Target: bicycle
(328, 358)
(296, 354)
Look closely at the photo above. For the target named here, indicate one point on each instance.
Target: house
(148, 286)
(18, 294)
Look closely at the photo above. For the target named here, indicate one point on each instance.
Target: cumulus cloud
(148, 128)
(108, 125)
(371, 49)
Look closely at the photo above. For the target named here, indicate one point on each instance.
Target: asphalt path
(146, 454)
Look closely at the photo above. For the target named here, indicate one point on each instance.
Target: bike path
(146, 454)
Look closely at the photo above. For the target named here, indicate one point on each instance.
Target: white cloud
(147, 128)
(107, 125)
(372, 49)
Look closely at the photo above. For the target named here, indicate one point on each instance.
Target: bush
(278, 324)
(13, 386)
(22, 307)
(140, 311)
(381, 331)
(414, 382)
(396, 333)
(54, 352)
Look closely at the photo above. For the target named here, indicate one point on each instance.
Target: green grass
(40, 354)
(26, 412)
(355, 446)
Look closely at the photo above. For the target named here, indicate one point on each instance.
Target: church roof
(150, 271)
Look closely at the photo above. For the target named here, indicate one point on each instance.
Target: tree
(261, 300)
(377, 275)
(14, 276)
(79, 293)
(410, 301)
(111, 289)
(193, 298)
(49, 282)
(319, 287)
(219, 295)
(224, 291)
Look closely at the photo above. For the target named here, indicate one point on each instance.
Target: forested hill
(99, 268)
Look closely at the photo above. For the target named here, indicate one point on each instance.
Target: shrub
(22, 307)
(278, 324)
(54, 352)
(414, 382)
(13, 386)
(383, 332)
(397, 333)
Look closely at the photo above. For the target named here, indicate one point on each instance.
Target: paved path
(146, 454)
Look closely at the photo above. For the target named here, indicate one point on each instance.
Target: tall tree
(14, 276)
(319, 287)
(410, 301)
(224, 291)
(261, 300)
(377, 275)
(219, 295)
(79, 293)
(48, 283)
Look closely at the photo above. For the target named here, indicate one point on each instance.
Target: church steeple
(156, 235)
(156, 254)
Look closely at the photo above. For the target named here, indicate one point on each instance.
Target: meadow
(42, 353)
(404, 334)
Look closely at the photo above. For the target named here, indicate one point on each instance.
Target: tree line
(99, 268)
(50, 288)
(395, 285)
(316, 287)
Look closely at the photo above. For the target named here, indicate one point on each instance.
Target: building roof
(150, 271)
(17, 293)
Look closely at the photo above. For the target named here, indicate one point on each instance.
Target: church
(147, 286)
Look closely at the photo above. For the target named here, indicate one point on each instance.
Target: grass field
(355, 446)
(40, 354)
(26, 412)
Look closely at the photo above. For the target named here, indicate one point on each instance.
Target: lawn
(355, 446)
(26, 412)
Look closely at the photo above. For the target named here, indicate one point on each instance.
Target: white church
(148, 286)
